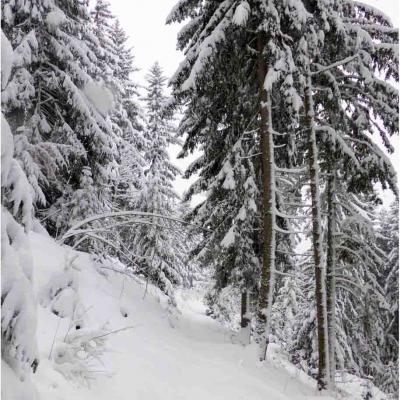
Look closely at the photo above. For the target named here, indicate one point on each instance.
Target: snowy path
(194, 359)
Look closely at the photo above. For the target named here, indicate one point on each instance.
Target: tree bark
(330, 274)
(320, 284)
(268, 205)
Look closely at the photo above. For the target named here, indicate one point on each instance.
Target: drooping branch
(335, 64)
(74, 230)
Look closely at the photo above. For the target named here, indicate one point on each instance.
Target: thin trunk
(268, 206)
(245, 319)
(330, 275)
(320, 287)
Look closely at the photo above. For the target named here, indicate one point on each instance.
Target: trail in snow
(194, 360)
(164, 356)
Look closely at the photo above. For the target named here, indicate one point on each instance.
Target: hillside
(162, 354)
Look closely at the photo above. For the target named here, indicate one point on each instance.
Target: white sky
(152, 40)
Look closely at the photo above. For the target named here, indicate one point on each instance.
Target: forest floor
(162, 355)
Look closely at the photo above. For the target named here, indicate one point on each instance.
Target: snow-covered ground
(161, 355)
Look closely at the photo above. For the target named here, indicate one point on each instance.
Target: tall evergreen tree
(207, 58)
(116, 64)
(65, 111)
(313, 57)
(228, 168)
(388, 241)
(343, 135)
(18, 304)
(129, 117)
(160, 250)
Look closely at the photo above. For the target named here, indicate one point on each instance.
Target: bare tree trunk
(330, 274)
(268, 206)
(320, 284)
(245, 319)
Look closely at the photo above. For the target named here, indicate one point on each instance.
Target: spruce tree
(388, 241)
(129, 117)
(258, 51)
(18, 303)
(344, 139)
(228, 168)
(116, 65)
(67, 106)
(160, 251)
(315, 66)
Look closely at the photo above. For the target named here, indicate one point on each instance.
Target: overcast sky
(152, 40)
(144, 22)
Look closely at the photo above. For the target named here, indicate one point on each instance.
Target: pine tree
(316, 65)
(102, 17)
(228, 168)
(63, 107)
(116, 64)
(160, 250)
(124, 73)
(128, 116)
(338, 150)
(321, 64)
(362, 307)
(207, 51)
(388, 241)
(18, 304)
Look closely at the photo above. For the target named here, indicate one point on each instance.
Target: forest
(274, 276)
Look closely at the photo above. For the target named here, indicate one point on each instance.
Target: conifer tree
(343, 136)
(160, 250)
(116, 64)
(388, 241)
(228, 168)
(18, 304)
(130, 119)
(316, 58)
(67, 107)
(207, 50)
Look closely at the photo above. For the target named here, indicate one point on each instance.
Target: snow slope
(164, 355)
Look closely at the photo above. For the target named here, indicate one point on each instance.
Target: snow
(15, 389)
(227, 173)
(241, 14)
(203, 53)
(7, 148)
(229, 238)
(24, 53)
(159, 356)
(6, 60)
(13, 177)
(18, 319)
(229, 182)
(100, 96)
(55, 18)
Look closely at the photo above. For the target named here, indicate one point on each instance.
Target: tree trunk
(245, 319)
(320, 284)
(330, 274)
(268, 206)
